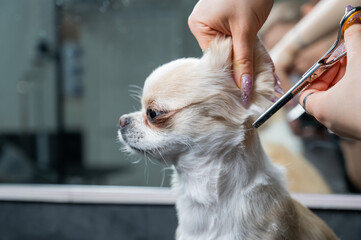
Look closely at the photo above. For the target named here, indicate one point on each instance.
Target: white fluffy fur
(226, 186)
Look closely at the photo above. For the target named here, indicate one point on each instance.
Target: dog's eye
(152, 114)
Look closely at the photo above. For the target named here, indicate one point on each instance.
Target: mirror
(69, 70)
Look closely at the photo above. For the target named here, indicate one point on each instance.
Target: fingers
(243, 45)
(353, 44)
(313, 97)
(200, 27)
(328, 79)
(311, 100)
(203, 33)
(277, 84)
(239, 19)
(333, 75)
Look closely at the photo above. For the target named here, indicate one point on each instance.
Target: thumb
(243, 64)
(314, 99)
(308, 98)
(353, 45)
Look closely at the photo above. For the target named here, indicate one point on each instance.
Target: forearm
(323, 19)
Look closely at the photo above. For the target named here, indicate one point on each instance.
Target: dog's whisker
(163, 175)
(163, 178)
(136, 161)
(135, 97)
(146, 168)
(135, 86)
(153, 162)
(135, 92)
(160, 154)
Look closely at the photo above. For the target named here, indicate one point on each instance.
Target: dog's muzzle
(123, 122)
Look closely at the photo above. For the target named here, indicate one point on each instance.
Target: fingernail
(277, 84)
(278, 89)
(273, 99)
(246, 89)
(348, 8)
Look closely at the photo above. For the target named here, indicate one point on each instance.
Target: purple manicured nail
(246, 89)
(277, 85)
(348, 8)
(273, 99)
(278, 88)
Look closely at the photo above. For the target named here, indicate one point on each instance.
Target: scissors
(332, 56)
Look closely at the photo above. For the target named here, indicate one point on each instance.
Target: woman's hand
(240, 19)
(335, 98)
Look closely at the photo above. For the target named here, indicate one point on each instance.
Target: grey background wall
(26, 91)
(119, 43)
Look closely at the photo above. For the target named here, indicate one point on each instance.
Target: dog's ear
(219, 53)
(218, 57)
(266, 83)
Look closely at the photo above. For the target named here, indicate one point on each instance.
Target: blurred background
(69, 69)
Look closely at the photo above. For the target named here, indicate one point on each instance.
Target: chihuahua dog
(225, 185)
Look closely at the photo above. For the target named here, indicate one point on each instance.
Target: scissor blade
(298, 87)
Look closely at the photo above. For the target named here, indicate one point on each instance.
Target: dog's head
(193, 103)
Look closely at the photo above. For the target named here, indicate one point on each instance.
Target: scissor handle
(354, 16)
(334, 54)
(338, 50)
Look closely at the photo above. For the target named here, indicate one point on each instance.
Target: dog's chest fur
(233, 195)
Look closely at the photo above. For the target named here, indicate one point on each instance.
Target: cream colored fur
(226, 186)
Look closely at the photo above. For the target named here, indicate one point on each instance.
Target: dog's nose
(123, 121)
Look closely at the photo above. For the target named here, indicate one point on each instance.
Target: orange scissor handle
(351, 20)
